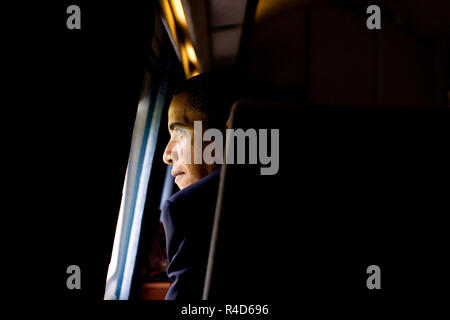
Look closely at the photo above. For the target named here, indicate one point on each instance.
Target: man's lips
(177, 174)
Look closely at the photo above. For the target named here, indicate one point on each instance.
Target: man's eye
(178, 133)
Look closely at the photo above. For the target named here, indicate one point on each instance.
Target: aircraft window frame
(142, 155)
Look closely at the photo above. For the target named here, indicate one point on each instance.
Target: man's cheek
(184, 152)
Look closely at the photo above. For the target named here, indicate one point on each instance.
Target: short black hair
(212, 93)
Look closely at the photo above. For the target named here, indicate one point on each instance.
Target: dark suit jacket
(188, 217)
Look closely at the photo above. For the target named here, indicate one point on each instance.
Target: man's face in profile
(180, 149)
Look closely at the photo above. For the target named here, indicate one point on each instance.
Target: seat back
(356, 186)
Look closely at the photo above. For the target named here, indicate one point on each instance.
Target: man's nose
(169, 154)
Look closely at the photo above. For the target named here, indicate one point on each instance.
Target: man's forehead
(181, 112)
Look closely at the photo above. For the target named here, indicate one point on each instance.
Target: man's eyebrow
(173, 125)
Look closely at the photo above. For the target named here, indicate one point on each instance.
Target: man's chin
(184, 181)
(181, 187)
(180, 181)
